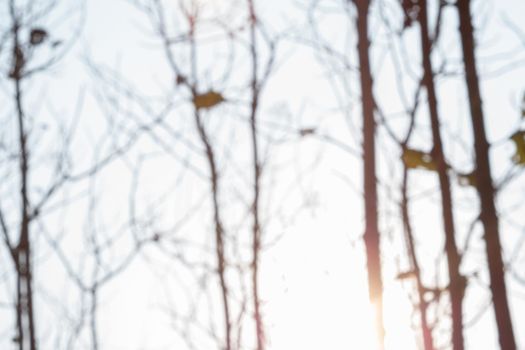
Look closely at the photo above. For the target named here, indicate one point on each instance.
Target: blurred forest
(262, 174)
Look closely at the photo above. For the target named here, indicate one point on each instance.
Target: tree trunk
(457, 282)
(371, 235)
(428, 342)
(219, 231)
(26, 337)
(214, 182)
(256, 228)
(485, 187)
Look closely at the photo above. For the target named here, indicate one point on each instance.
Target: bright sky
(313, 278)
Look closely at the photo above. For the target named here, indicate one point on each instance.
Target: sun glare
(317, 298)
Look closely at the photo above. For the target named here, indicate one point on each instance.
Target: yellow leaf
(519, 141)
(415, 159)
(467, 179)
(208, 100)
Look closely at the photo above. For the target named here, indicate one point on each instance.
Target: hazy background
(115, 79)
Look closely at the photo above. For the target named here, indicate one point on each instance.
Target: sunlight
(318, 297)
(398, 319)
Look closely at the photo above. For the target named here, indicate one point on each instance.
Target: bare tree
(426, 329)
(26, 38)
(485, 186)
(371, 235)
(36, 50)
(21, 253)
(202, 100)
(257, 167)
(457, 282)
(257, 84)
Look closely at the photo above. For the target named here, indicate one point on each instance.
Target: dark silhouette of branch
(485, 186)
(371, 235)
(26, 336)
(426, 329)
(214, 181)
(457, 282)
(256, 86)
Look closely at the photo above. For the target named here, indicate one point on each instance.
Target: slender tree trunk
(219, 231)
(457, 282)
(26, 336)
(256, 228)
(371, 235)
(426, 331)
(485, 187)
(214, 179)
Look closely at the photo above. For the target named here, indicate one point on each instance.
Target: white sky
(313, 279)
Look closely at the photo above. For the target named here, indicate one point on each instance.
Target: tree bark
(25, 323)
(214, 182)
(256, 228)
(371, 235)
(485, 187)
(428, 342)
(457, 282)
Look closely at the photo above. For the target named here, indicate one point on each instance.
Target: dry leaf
(519, 141)
(37, 36)
(208, 100)
(415, 159)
